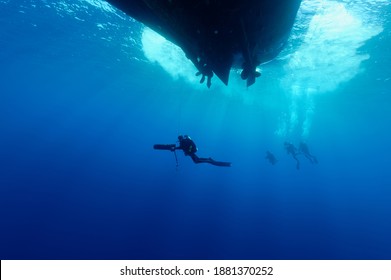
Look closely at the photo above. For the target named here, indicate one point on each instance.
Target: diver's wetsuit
(303, 148)
(189, 148)
(271, 158)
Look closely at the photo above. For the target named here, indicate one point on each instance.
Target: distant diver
(292, 150)
(187, 145)
(271, 158)
(303, 148)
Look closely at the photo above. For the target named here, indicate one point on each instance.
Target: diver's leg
(195, 158)
(297, 162)
(309, 157)
(214, 162)
(220, 163)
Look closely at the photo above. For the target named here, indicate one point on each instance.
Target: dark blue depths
(79, 178)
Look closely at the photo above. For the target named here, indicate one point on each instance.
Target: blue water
(85, 92)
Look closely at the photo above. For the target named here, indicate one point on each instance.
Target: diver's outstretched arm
(297, 162)
(169, 147)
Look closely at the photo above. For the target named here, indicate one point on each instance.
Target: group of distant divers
(187, 145)
(294, 152)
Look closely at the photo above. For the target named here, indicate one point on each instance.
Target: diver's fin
(219, 163)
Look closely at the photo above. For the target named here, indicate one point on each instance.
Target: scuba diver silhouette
(292, 150)
(271, 158)
(189, 148)
(303, 148)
